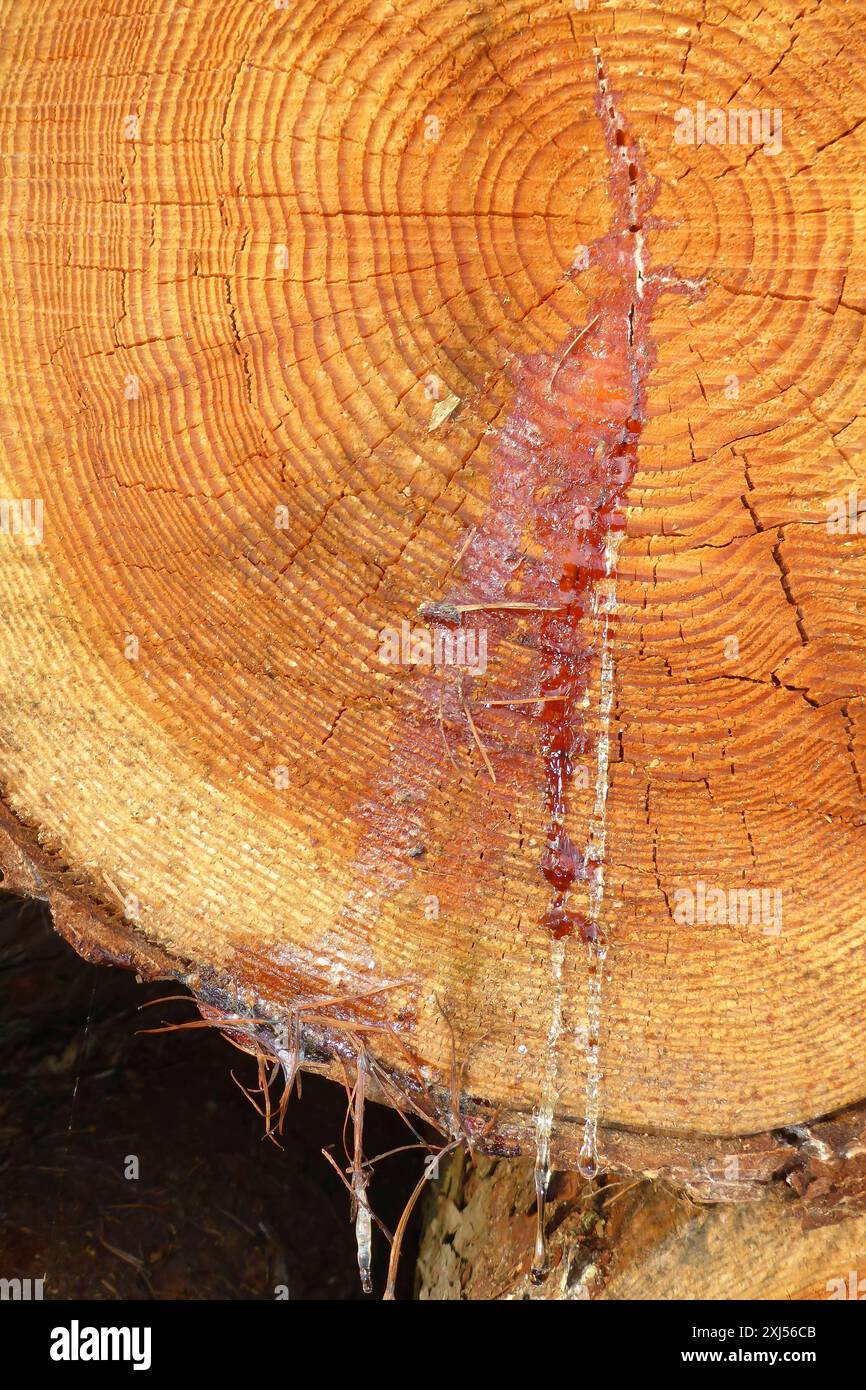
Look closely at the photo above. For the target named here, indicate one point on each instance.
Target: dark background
(218, 1212)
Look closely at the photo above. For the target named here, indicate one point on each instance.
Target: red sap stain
(560, 472)
(563, 464)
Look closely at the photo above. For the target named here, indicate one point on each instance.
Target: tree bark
(624, 1239)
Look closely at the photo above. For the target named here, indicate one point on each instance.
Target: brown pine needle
(245, 1092)
(167, 999)
(114, 888)
(348, 1186)
(447, 747)
(264, 1089)
(325, 1021)
(456, 1084)
(400, 1099)
(529, 700)
(325, 1001)
(289, 1086)
(475, 734)
(204, 1023)
(123, 1254)
(622, 1191)
(445, 744)
(571, 346)
(516, 605)
(451, 612)
(389, 1153)
(397, 1242)
(338, 1170)
(461, 552)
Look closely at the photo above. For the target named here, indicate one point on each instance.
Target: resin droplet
(587, 1162)
(538, 1272)
(544, 1117)
(364, 1237)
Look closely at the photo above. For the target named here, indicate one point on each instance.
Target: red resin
(564, 460)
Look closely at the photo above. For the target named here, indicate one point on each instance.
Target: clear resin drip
(544, 1117)
(363, 1236)
(588, 1158)
(597, 947)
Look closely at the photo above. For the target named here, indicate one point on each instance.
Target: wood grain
(256, 361)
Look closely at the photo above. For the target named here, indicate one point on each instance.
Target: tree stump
(624, 1241)
(431, 555)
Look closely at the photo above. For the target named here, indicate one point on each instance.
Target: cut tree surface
(328, 324)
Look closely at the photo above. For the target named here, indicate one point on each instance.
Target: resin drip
(585, 405)
(560, 472)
